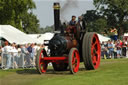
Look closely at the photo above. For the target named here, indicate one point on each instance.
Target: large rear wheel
(41, 65)
(91, 51)
(74, 60)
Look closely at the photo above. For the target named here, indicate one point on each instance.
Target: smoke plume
(68, 5)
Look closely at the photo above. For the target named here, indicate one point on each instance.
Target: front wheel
(41, 65)
(74, 60)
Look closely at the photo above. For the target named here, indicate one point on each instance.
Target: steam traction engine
(69, 47)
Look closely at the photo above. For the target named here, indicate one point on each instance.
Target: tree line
(108, 14)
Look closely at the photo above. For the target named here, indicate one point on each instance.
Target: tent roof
(12, 34)
(42, 37)
(125, 34)
(103, 38)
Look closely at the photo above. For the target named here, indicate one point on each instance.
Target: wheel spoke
(93, 45)
(73, 60)
(94, 60)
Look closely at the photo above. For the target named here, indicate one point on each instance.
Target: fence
(17, 60)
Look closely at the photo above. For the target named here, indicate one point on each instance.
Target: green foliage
(30, 23)
(17, 13)
(95, 22)
(91, 15)
(116, 12)
(98, 25)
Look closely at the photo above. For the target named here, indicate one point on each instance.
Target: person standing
(124, 45)
(103, 50)
(25, 55)
(110, 49)
(118, 45)
(7, 53)
(15, 55)
(115, 49)
(73, 21)
(32, 54)
(81, 23)
(106, 53)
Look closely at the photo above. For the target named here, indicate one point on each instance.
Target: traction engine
(69, 47)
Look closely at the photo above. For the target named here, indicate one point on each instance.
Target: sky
(44, 10)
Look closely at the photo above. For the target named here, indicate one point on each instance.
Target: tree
(98, 26)
(115, 11)
(14, 12)
(47, 29)
(95, 22)
(30, 23)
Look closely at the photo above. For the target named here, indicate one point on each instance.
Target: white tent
(103, 38)
(125, 34)
(12, 34)
(42, 37)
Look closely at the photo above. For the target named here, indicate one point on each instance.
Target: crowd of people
(109, 49)
(13, 51)
(114, 49)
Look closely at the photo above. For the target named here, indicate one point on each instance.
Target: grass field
(110, 72)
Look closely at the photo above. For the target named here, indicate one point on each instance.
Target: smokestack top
(56, 5)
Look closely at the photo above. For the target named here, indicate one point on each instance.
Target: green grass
(110, 72)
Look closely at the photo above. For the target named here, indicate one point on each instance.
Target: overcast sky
(44, 10)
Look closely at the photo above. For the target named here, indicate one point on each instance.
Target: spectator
(118, 46)
(32, 54)
(124, 45)
(15, 55)
(104, 50)
(7, 53)
(115, 49)
(26, 55)
(114, 32)
(110, 49)
(35, 49)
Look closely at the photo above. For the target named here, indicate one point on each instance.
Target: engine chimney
(56, 7)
